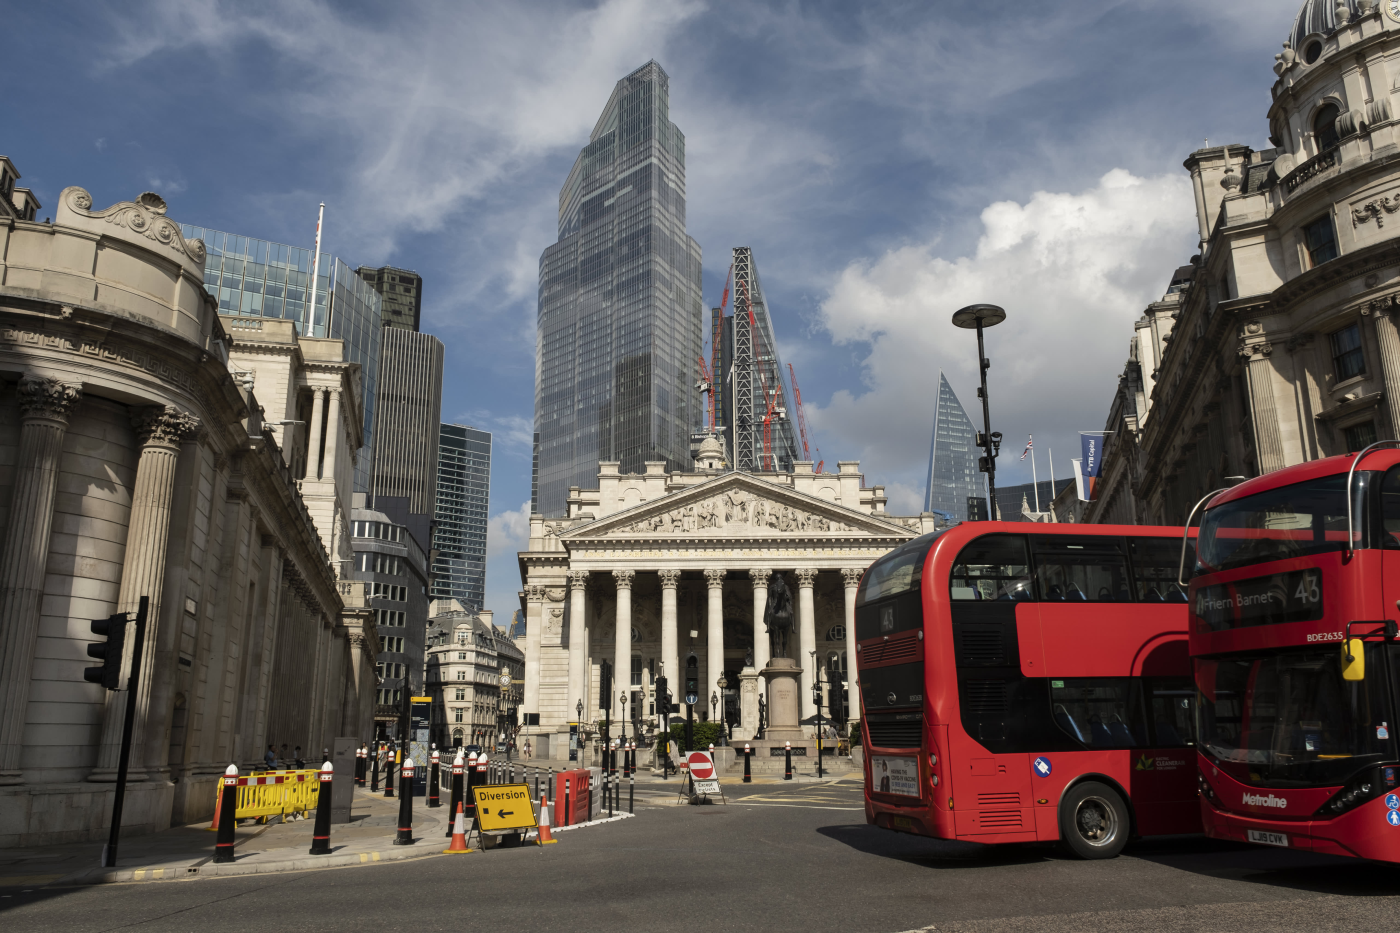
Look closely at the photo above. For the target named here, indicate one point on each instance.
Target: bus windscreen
(1292, 521)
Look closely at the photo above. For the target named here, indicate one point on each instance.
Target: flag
(1029, 438)
(1079, 479)
(1091, 446)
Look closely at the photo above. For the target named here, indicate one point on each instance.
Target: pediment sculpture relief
(733, 512)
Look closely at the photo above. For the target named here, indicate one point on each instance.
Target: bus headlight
(1206, 789)
(1365, 786)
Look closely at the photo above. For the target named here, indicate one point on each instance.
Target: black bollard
(405, 835)
(374, 765)
(787, 769)
(632, 779)
(389, 774)
(473, 778)
(459, 766)
(321, 834)
(228, 809)
(748, 778)
(433, 777)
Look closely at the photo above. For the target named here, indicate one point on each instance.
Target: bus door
(1390, 545)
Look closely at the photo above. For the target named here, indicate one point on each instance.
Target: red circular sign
(701, 767)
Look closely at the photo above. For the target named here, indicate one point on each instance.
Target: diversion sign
(503, 807)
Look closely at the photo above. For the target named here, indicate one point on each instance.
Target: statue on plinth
(779, 618)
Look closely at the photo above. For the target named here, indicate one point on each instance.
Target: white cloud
(1073, 272)
(508, 532)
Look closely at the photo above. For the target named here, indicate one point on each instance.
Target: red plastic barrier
(571, 798)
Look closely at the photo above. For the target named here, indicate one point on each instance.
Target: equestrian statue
(779, 618)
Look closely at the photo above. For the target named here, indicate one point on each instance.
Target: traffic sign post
(703, 776)
(503, 809)
(107, 675)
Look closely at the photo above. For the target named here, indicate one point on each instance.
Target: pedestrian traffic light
(836, 701)
(692, 680)
(604, 685)
(108, 673)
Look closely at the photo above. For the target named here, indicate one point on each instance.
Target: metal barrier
(273, 793)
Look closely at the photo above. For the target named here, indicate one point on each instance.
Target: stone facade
(469, 660)
(647, 569)
(133, 463)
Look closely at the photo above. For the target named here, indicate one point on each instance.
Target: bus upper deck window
(1156, 563)
(1081, 569)
(992, 567)
(1390, 508)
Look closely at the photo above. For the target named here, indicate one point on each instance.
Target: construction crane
(771, 405)
(802, 421)
(706, 385)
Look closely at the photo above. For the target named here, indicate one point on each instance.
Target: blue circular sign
(1042, 766)
(1392, 817)
(1392, 801)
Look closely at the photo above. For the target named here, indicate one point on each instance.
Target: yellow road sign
(503, 806)
(421, 699)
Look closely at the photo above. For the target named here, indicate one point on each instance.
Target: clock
(505, 679)
(1392, 7)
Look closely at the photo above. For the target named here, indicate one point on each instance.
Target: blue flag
(1091, 462)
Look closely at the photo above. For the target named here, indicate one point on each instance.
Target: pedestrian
(297, 758)
(284, 756)
(270, 759)
(527, 748)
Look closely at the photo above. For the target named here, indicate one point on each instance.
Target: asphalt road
(777, 858)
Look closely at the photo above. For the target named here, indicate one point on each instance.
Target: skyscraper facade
(401, 291)
(620, 317)
(409, 403)
(463, 500)
(258, 278)
(952, 458)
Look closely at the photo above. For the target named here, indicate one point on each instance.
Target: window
(836, 633)
(1311, 53)
(992, 567)
(461, 656)
(897, 572)
(1171, 710)
(1304, 518)
(1347, 357)
(461, 693)
(457, 714)
(461, 675)
(1360, 436)
(1156, 565)
(1089, 569)
(636, 671)
(1321, 240)
(1325, 123)
(1102, 712)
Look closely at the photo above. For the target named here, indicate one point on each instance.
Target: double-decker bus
(1026, 682)
(1293, 621)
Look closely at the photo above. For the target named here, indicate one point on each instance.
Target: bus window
(897, 572)
(992, 567)
(1102, 712)
(1088, 569)
(1156, 563)
(1390, 508)
(1304, 518)
(1171, 710)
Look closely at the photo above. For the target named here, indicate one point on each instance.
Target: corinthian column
(714, 635)
(1388, 339)
(807, 637)
(670, 642)
(44, 406)
(333, 435)
(851, 577)
(760, 606)
(313, 444)
(161, 430)
(622, 641)
(578, 648)
(1268, 443)
(534, 605)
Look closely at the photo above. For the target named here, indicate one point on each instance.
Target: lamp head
(973, 315)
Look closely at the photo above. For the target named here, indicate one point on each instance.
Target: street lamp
(977, 317)
(723, 684)
(714, 705)
(622, 699)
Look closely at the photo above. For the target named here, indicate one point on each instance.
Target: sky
(888, 163)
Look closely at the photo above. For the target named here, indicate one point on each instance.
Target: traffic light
(692, 680)
(604, 685)
(836, 701)
(108, 673)
(663, 696)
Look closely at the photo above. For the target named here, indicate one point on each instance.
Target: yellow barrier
(272, 793)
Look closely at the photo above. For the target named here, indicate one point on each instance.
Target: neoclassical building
(136, 461)
(474, 675)
(1278, 343)
(648, 569)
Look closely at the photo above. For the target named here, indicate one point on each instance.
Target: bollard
(458, 768)
(748, 778)
(471, 780)
(374, 765)
(787, 767)
(543, 837)
(405, 835)
(228, 807)
(321, 834)
(632, 779)
(433, 777)
(389, 774)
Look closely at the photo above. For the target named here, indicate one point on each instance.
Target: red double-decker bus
(1026, 682)
(1296, 728)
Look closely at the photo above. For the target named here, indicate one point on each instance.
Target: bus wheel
(1093, 821)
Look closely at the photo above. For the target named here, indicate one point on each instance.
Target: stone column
(161, 430)
(851, 577)
(1268, 443)
(313, 444)
(534, 604)
(333, 435)
(622, 642)
(45, 405)
(670, 637)
(578, 648)
(1388, 339)
(714, 637)
(760, 605)
(807, 637)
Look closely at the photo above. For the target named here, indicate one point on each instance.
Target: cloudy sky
(887, 162)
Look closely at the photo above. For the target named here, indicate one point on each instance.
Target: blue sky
(887, 162)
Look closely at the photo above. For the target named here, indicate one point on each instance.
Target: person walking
(270, 759)
(527, 749)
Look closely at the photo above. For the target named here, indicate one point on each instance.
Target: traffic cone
(544, 836)
(459, 834)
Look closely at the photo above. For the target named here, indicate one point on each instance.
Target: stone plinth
(749, 685)
(784, 700)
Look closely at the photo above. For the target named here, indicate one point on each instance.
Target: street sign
(421, 699)
(503, 807)
(707, 787)
(702, 766)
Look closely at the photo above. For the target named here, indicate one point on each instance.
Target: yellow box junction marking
(503, 806)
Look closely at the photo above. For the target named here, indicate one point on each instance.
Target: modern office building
(620, 316)
(257, 278)
(463, 500)
(402, 293)
(952, 458)
(409, 403)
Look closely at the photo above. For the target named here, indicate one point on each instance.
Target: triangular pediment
(737, 505)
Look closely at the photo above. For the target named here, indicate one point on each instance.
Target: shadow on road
(934, 853)
(1284, 868)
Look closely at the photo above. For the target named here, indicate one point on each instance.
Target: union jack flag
(1029, 438)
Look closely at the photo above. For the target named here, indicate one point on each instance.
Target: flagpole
(1050, 453)
(1035, 483)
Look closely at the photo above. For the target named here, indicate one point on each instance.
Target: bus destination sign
(1295, 596)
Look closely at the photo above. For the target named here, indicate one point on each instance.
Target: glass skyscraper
(463, 500)
(620, 317)
(263, 279)
(952, 458)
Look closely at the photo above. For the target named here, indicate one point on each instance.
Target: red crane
(769, 398)
(706, 385)
(802, 421)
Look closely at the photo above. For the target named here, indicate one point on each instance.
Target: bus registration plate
(1268, 839)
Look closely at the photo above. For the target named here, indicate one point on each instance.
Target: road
(777, 858)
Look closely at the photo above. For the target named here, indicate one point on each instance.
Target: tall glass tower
(463, 499)
(952, 457)
(619, 327)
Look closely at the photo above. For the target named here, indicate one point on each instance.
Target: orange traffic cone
(544, 836)
(459, 833)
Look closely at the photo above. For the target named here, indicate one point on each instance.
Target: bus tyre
(1093, 821)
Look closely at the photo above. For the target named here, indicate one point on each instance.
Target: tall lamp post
(978, 317)
(723, 684)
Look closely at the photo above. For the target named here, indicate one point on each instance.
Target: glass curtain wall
(952, 458)
(463, 501)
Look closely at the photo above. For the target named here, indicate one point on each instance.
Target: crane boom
(802, 420)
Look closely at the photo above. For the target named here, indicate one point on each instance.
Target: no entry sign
(702, 766)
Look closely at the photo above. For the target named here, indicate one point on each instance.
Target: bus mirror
(1353, 659)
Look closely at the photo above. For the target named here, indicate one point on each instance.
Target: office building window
(1360, 436)
(1320, 238)
(1347, 357)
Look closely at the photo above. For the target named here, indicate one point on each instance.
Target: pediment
(737, 505)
